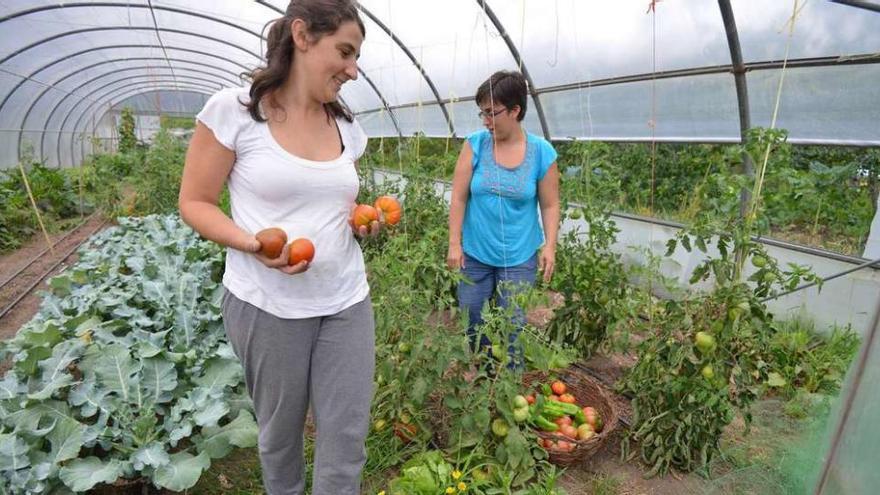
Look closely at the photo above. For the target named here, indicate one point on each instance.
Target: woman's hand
(547, 262)
(455, 257)
(280, 263)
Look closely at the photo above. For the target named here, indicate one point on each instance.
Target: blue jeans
(485, 281)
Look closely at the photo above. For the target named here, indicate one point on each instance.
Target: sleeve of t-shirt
(476, 141)
(224, 115)
(357, 140)
(546, 157)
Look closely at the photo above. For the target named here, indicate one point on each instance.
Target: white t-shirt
(270, 187)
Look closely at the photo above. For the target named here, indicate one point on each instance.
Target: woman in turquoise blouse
(502, 176)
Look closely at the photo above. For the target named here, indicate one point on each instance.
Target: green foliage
(818, 195)
(126, 131)
(593, 282)
(424, 364)
(172, 122)
(685, 395)
(426, 473)
(156, 182)
(55, 192)
(413, 255)
(416, 155)
(125, 371)
(429, 386)
(105, 177)
(806, 361)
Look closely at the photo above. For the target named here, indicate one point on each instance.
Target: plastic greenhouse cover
(64, 63)
(171, 102)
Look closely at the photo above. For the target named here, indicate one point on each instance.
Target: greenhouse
(703, 322)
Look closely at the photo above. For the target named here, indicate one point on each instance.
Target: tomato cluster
(364, 215)
(273, 239)
(556, 410)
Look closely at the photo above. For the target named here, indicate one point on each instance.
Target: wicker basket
(589, 392)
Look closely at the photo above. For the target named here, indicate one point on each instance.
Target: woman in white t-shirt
(304, 333)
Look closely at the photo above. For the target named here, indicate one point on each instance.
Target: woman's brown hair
(321, 17)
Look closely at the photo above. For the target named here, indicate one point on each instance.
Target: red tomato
(301, 250)
(585, 432)
(569, 431)
(593, 418)
(405, 432)
(567, 398)
(562, 421)
(272, 241)
(558, 387)
(390, 208)
(363, 215)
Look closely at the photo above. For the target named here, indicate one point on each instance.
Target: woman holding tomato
(303, 332)
(503, 175)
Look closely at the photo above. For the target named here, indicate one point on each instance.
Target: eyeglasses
(484, 115)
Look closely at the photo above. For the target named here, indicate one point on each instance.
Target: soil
(11, 262)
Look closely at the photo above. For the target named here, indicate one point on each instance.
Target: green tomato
(705, 342)
(500, 428)
(403, 347)
(734, 313)
(520, 402)
(759, 261)
(499, 353)
(707, 372)
(575, 214)
(769, 277)
(521, 414)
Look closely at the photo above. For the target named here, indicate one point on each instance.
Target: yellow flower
(461, 486)
(449, 489)
(381, 493)
(456, 474)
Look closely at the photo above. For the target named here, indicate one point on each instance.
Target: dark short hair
(507, 87)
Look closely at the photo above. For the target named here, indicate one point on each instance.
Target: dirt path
(10, 263)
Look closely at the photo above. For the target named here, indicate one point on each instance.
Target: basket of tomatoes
(571, 412)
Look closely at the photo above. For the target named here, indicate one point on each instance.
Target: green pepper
(545, 424)
(564, 407)
(551, 413)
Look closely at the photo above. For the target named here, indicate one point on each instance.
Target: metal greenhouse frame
(65, 67)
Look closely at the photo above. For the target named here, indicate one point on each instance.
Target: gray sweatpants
(288, 363)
